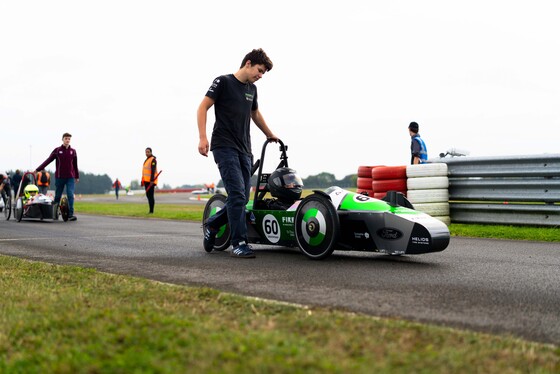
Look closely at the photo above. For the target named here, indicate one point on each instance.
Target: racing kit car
(31, 204)
(334, 219)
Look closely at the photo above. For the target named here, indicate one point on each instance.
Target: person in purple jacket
(66, 173)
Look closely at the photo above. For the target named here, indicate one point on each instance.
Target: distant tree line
(321, 180)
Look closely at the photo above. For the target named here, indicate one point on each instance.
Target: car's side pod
(395, 198)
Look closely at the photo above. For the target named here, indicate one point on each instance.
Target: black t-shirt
(233, 103)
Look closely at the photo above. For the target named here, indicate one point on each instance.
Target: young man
(150, 177)
(66, 173)
(234, 97)
(418, 149)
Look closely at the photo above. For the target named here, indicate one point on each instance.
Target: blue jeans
(235, 170)
(70, 185)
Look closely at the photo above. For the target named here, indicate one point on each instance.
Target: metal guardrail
(517, 190)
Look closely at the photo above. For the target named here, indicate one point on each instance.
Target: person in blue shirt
(418, 149)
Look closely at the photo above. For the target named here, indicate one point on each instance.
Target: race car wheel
(317, 227)
(64, 208)
(8, 207)
(214, 204)
(18, 211)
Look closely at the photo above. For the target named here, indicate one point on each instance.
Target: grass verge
(73, 320)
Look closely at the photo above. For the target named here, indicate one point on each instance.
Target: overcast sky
(348, 77)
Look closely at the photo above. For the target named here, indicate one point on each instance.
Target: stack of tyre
(364, 182)
(388, 178)
(375, 181)
(428, 189)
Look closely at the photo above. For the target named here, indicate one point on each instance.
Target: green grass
(547, 234)
(193, 212)
(188, 212)
(67, 319)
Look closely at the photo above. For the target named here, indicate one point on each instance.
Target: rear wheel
(18, 210)
(317, 227)
(213, 206)
(64, 209)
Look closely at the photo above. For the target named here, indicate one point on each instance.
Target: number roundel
(213, 206)
(317, 227)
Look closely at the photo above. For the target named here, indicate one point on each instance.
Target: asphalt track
(494, 286)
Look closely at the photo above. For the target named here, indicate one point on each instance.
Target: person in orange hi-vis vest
(43, 181)
(149, 177)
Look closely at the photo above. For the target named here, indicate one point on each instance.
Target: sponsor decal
(420, 240)
(252, 218)
(287, 219)
(361, 235)
(388, 233)
(271, 228)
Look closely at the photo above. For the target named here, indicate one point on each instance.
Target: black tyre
(317, 227)
(7, 205)
(64, 209)
(18, 210)
(214, 204)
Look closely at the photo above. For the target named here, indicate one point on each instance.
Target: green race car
(334, 219)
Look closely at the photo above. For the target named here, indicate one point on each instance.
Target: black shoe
(243, 251)
(72, 218)
(209, 238)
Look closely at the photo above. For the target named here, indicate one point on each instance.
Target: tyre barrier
(388, 178)
(365, 171)
(428, 189)
(428, 196)
(364, 183)
(427, 170)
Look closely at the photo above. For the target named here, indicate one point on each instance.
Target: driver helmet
(30, 190)
(285, 185)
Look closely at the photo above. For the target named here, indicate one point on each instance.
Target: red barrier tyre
(364, 183)
(365, 171)
(385, 185)
(389, 172)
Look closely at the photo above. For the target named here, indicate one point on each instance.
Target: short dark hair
(66, 135)
(413, 127)
(257, 57)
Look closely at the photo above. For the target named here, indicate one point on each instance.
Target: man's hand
(203, 147)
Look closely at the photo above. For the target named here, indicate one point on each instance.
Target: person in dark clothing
(150, 177)
(66, 173)
(117, 186)
(418, 149)
(234, 97)
(15, 181)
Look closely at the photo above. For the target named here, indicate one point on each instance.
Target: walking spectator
(16, 180)
(117, 186)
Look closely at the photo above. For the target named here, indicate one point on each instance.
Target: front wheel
(18, 210)
(317, 226)
(64, 210)
(213, 206)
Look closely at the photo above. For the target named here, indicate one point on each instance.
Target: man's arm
(201, 117)
(261, 124)
(47, 161)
